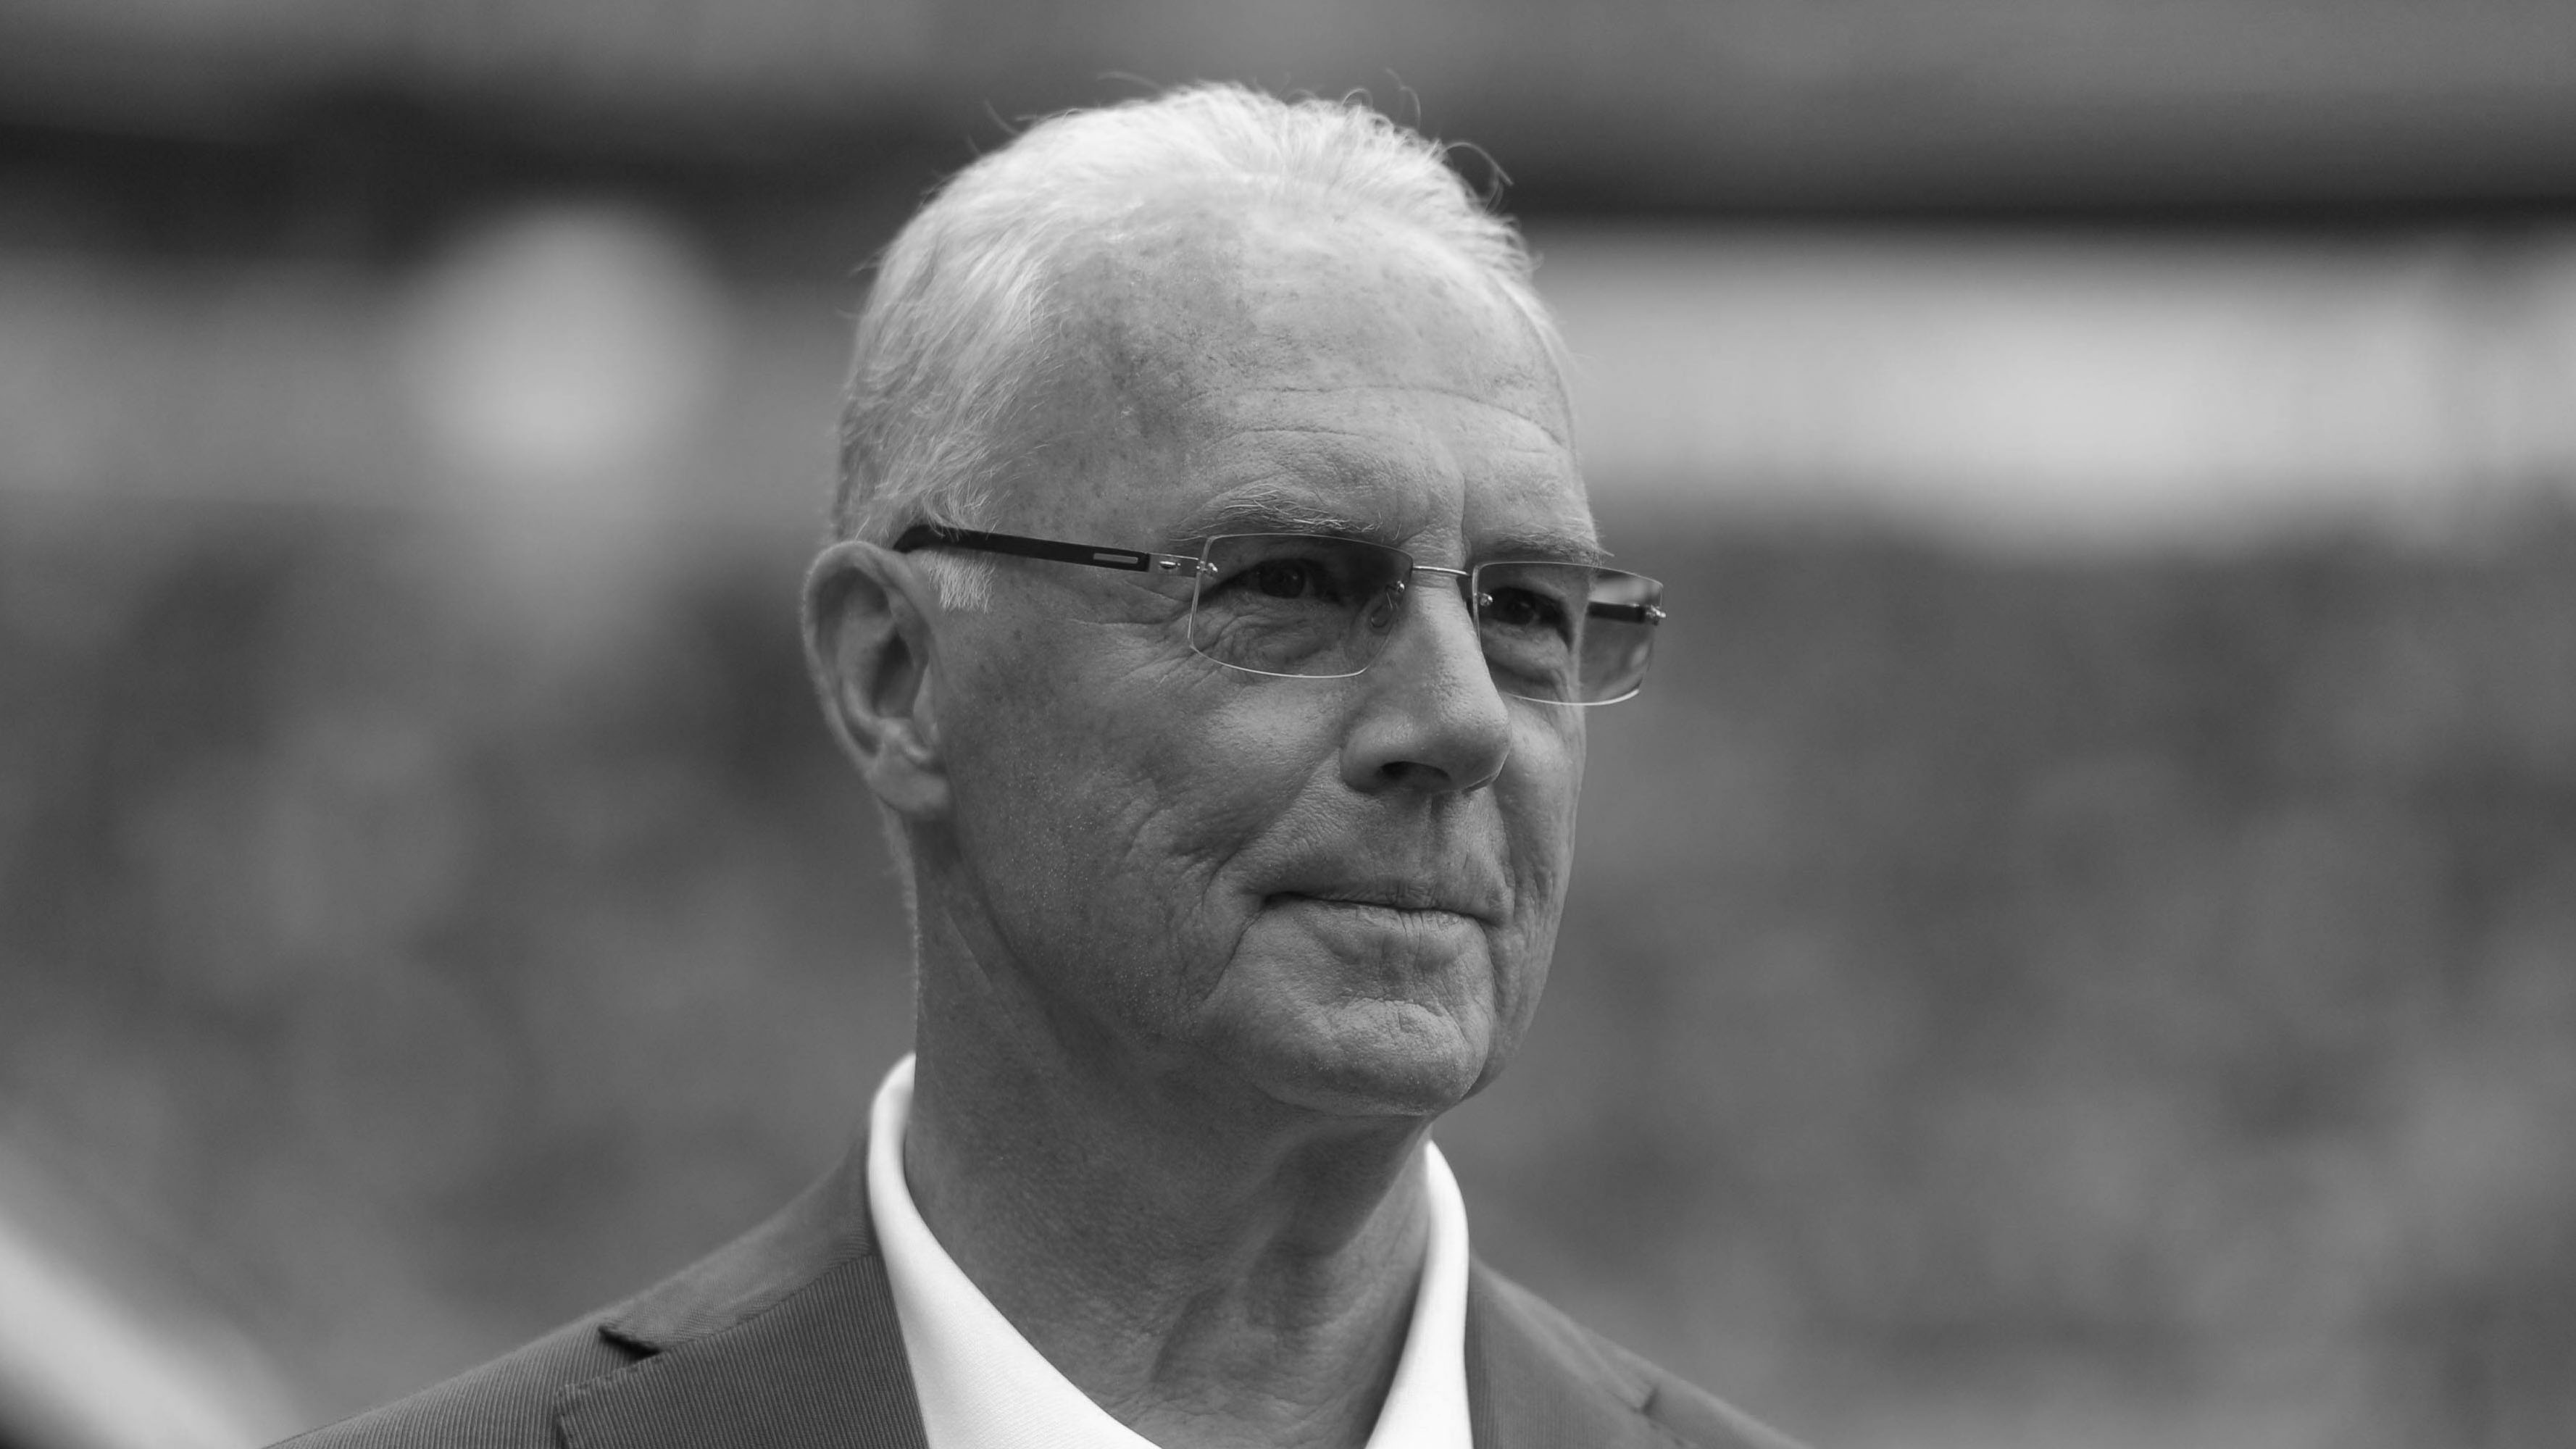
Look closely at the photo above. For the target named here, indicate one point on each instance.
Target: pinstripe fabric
(787, 1339)
(507, 1402)
(823, 1366)
(1536, 1379)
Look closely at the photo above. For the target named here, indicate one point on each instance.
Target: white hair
(962, 322)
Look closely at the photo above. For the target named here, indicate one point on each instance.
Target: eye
(1523, 609)
(1287, 578)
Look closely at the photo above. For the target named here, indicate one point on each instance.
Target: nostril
(1416, 773)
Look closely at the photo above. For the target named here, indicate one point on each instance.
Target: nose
(1430, 719)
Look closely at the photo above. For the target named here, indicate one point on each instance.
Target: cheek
(1214, 775)
(1107, 805)
(1189, 776)
(1536, 795)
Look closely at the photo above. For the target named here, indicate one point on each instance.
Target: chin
(1336, 1013)
(1369, 1058)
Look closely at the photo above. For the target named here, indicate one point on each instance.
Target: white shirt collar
(983, 1386)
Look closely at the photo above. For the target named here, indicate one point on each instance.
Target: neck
(1210, 1266)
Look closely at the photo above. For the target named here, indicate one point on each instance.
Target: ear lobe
(868, 648)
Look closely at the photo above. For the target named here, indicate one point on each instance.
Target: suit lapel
(825, 1369)
(1534, 1383)
(786, 1339)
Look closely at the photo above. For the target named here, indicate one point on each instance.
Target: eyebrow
(1269, 510)
(1278, 510)
(1549, 548)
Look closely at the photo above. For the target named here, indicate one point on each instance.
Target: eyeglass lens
(1317, 606)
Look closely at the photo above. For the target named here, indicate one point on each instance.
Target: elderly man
(1214, 614)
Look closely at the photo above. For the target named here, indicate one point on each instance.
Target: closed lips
(1413, 900)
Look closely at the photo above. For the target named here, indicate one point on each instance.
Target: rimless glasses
(1317, 606)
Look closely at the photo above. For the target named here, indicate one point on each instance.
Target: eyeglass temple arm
(1646, 614)
(923, 535)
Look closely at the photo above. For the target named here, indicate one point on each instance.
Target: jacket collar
(784, 1339)
(1535, 1381)
(787, 1339)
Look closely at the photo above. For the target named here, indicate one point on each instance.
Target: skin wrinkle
(1555, 434)
(1275, 510)
(1312, 462)
(1200, 253)
(1115, 1012)
(1263, 508)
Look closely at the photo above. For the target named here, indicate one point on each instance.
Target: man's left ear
(868, 647)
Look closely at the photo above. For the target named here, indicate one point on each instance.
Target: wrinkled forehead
(1203, 297)
(1289, 354)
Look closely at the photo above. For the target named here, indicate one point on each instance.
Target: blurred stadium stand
(2075, 948)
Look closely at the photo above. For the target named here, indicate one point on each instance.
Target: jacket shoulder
(1682, 1409)
(508, 1403)
(512, 1402)
(1698, 1417)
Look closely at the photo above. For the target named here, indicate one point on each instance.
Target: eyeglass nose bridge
(1463, 576)
(1400, 588)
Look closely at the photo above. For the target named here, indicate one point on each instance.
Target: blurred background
(2075, 947)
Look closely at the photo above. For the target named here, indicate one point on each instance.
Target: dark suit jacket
(787, 1339)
